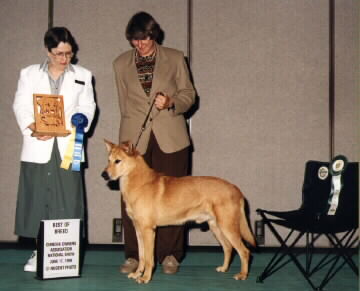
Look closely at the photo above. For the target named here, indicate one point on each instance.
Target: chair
(314, 220)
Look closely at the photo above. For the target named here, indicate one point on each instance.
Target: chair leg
(273, 265)
(341, 247)
(340, 250)
(324, 261)
(344, 249)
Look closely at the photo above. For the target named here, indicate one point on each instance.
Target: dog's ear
(128, 147)
(109, 145)
(131, 150)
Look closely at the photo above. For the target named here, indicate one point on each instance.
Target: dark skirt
(47, 191)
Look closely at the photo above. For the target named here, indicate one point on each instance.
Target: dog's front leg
(148, 235)
(140, 269)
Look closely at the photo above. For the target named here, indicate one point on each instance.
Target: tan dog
(153, 199)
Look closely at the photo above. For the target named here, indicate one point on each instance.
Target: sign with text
(59, 249)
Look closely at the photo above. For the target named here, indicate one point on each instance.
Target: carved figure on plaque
(49, 115)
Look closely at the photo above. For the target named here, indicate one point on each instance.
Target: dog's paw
(143, 280)
(221, 269)
(134, 275)
(240, 276)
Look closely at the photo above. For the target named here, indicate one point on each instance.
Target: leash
(147, 118)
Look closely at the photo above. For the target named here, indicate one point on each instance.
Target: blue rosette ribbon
(79, 121)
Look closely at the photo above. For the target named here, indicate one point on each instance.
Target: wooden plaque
(49, 115)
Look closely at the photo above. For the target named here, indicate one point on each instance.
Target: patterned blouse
(145, 68)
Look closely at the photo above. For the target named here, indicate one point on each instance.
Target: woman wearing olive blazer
(146, 74)
(170, 77)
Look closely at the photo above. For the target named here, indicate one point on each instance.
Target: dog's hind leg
(231, 230)
(226, 245)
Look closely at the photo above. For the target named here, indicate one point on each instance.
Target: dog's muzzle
(105, 175)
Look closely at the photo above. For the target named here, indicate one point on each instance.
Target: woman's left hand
(163, 101)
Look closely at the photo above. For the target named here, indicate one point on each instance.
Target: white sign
(59, 252)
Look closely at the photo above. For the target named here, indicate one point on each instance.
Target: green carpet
(197, 272)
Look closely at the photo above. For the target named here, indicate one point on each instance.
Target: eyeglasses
(60, 55)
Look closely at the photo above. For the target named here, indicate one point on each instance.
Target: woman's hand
(39, 137)
(44, 137)
(163, 101)
(32, 127)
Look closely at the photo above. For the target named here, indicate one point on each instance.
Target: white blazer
(78, 98)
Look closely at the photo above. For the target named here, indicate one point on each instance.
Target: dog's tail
(244, 226)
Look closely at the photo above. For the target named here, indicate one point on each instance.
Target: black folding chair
(316, 218)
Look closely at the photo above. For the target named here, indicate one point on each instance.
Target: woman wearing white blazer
(47, 191)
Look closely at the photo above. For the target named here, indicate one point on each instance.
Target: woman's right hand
(44, 137)
(39, 137)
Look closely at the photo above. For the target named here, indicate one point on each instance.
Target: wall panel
(23, 24)
(347, 93)
(261, 71)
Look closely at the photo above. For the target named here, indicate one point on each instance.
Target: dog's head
(121, 160)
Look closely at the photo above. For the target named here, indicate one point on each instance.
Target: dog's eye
(117, 161)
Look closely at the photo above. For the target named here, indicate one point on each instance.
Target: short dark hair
(55, 35)
(141, 26)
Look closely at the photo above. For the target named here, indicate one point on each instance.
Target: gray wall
(261, 72)
(23, 24)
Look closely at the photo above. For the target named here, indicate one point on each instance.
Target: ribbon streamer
(65, 163)
(337, 167)
(334, 194)
(80, 121)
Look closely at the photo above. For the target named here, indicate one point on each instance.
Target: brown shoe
(170, 265)
(129, 266)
